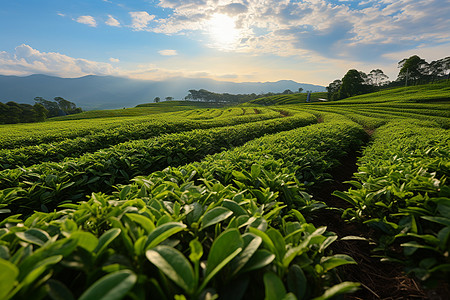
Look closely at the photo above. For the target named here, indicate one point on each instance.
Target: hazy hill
(108, 92)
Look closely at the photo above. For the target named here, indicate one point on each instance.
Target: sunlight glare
(223, 31)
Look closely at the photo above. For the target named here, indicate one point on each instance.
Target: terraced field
(245, 202)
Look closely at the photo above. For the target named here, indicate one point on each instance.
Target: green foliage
(88, 143)
(11, 113)
(221, 226)
(41, 187)
(402, 192)
(288, 99)
(235, 224)
(59, 107)
(93, 250)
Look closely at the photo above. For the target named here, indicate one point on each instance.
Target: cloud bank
(361, 30)
(25, 61)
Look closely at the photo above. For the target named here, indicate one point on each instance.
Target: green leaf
(196, 251)
(334, 261)
(145, 222)
(440, 220)
(85, 240)
(296, 281)
(40, 268)
(259, 260)
(411, 247)
(113, 286)
(215, 216)
(341, 288)
(431, 239)
(163, 232)
(34, 236)
(300, 218)
(354, 238)
(327, 242)
(58, 291)
(106, 239)
(443, 236)
(266, 239)
(278, 242)
(289, 296)
(173, 263)
(8, 276)
(234, 207)
(4, 252)
(255, 171)
(226, 247)
(124, 192)
(251, 244)
(346, 197)
(274, 287)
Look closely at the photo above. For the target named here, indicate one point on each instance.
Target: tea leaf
(173, 263)
(113, 286)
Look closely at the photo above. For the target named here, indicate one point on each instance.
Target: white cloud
(140, 20)
(358, 30)
(25, 61)
(61, 14)
(168, 52)
(112, 22)
(114, 60)
(88, 20)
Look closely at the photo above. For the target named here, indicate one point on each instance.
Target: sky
(309, 41)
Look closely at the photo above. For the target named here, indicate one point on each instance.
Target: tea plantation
(245, 202)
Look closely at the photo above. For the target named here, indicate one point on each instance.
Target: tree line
(12, 112)
(413, 70)
(207, 96)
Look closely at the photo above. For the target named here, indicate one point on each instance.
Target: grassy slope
(288, 99)
(413, 94)
(140, 110)
(421, 93)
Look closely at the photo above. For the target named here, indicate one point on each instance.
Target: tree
(4, 113)
(288, 91)
(28, 114)
(14, 113)
(59, 107)
(412, 69)
(41, 112)
(300, 90)
(352, 84)
(333, 90)
(439, 68)
(169, 98)
(377, 77)
(52, 107)
(157, 99)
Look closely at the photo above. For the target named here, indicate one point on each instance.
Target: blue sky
(309, 41)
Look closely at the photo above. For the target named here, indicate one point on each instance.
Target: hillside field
(274, 199)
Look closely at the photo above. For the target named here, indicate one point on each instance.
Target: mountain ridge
(110, 92)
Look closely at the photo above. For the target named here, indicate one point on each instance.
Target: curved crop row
(402, 191)
(30, 155)
(42, 186)
(218, 228)
(19, 135)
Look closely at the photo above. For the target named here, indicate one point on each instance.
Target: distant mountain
(108, 92)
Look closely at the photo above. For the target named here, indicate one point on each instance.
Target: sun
(223, 31)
